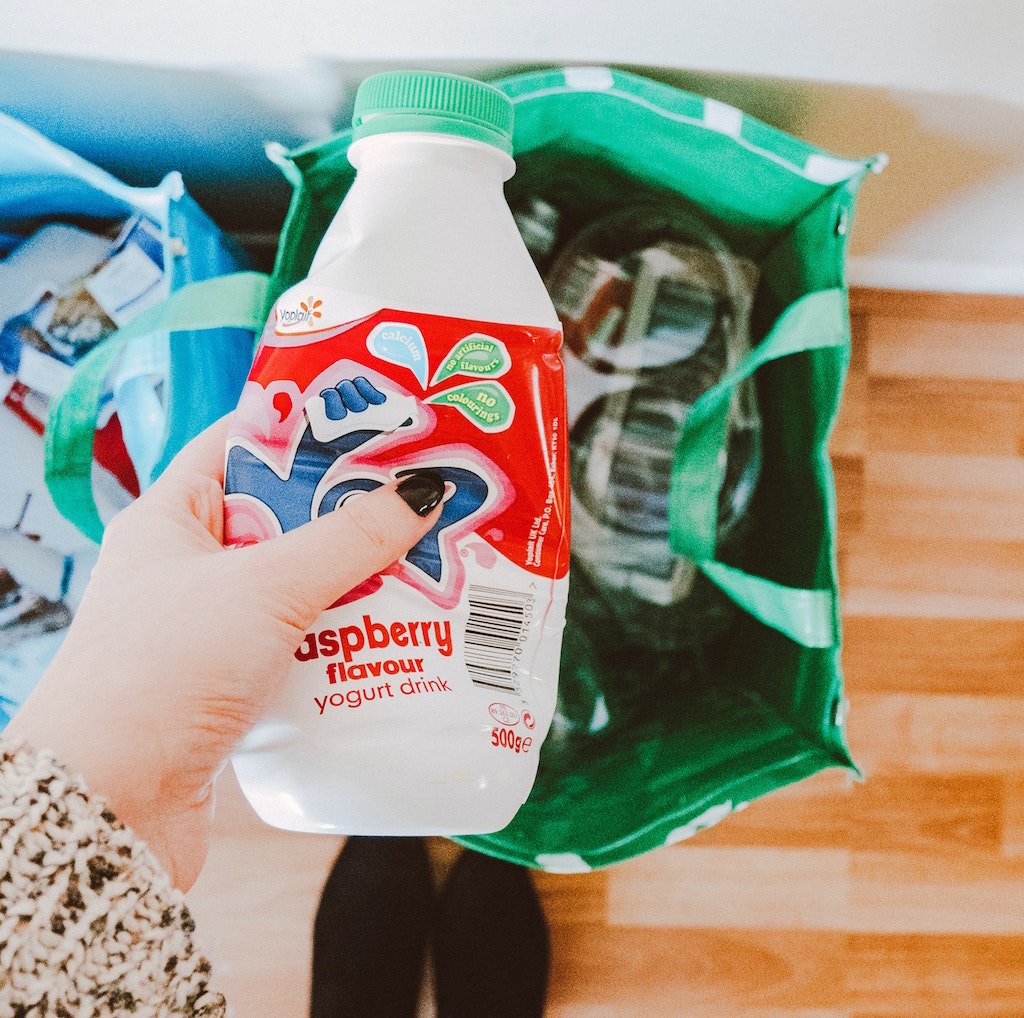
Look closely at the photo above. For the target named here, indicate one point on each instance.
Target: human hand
(339, 420)
(180, 644)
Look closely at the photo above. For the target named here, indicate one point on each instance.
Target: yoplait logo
(307, 312)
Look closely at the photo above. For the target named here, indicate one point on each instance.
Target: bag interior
(647, 742)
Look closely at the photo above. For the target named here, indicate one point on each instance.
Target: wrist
(109, 771)
(89, 747)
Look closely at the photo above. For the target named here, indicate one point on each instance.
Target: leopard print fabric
(90, 924)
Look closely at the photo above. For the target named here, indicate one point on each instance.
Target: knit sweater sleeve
(90, 924)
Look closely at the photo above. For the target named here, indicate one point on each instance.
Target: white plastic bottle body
(424, 229)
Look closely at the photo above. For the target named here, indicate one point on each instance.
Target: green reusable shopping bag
(643, 753)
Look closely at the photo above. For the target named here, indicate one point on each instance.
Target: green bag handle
(814, 322)
(233, 301)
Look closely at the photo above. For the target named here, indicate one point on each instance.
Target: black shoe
(371, 932)
(491, 947)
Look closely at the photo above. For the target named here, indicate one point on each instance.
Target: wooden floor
(899, 897)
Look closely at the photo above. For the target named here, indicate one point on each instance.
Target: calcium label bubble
(402, 344)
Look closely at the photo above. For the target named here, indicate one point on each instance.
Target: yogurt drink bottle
(421, 339)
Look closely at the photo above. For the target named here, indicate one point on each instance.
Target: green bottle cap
(432, 101)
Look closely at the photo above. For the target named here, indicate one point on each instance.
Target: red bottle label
(329, 414)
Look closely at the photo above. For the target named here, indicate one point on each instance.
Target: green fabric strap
(815, 321)
(234, 301)
(805, 616)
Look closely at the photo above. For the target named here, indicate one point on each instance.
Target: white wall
(937, 84)
(936, 45)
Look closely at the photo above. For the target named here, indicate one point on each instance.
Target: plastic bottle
(423, 337)
(656, 307)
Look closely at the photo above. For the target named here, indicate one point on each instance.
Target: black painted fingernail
(422, 491)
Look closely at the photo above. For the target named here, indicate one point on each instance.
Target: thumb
(310, 567)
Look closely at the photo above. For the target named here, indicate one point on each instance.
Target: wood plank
(649, 1008)
(743, 888)
(926, 813)
(768, 1012)
(944, 348)
(723, 972)
(870, 302)
(897, 733)
(943, 814)
(943, 415)
(927, 1012)
(922, 494)
(573, 1008)
(1013, 818)
(894, 892)
(937, 577)
(850, 486)
(884, 654)
(858, 340)
(918, 976)
(850, 432)
(574, 898)
(811, 814)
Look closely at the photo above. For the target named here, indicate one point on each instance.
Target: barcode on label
(497, 622)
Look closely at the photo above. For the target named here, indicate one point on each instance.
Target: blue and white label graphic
(358, 405)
